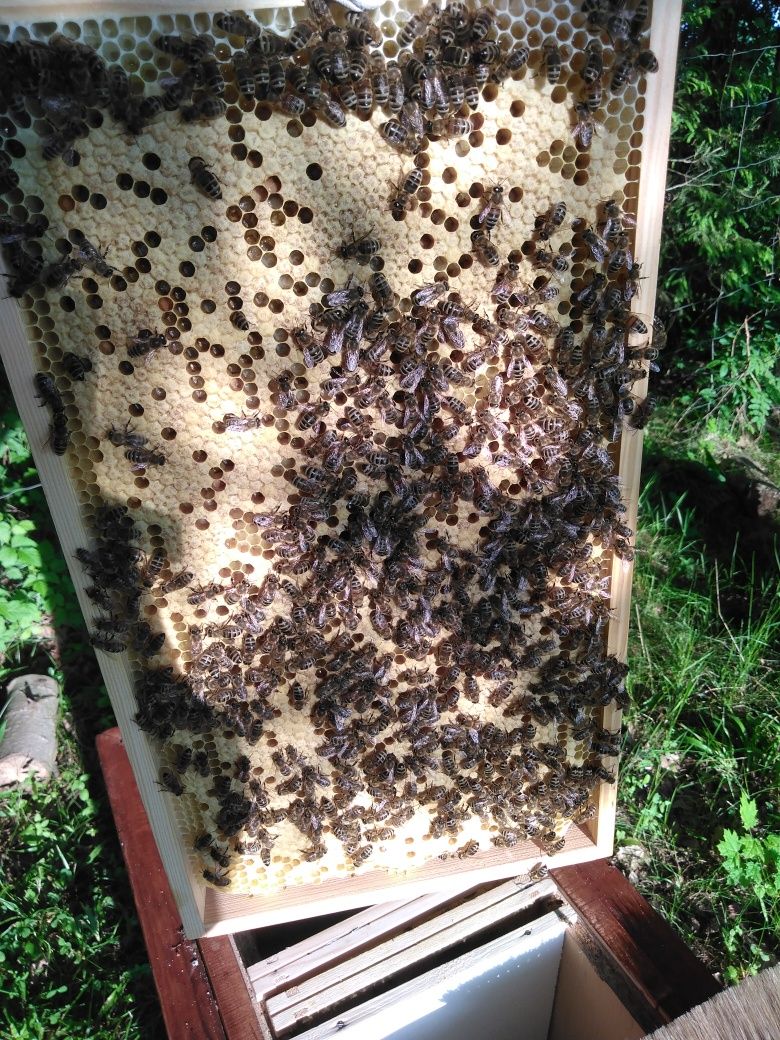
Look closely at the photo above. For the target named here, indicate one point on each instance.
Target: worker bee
(551, 60)
(76, 366)
(177, 582)
(547, 224)
(471, 848)
(332, 111)
(484, 249)
(416, 26)
(493, 208)
(216, 877)
(241, 423)
(143, 457)
(48, 392)
(597, 247)
(395, 133)
(426, 294)
(59, 435)
(126, 437)
(237, 25)
(93, 258)
(362, 248)
(206, 106)
(56, 275)
(585, 126)
(642, 413)
(240, 321)
(203, 179)
(594, 64)
(145, 344)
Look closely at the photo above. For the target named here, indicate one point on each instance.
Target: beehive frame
(207, 911)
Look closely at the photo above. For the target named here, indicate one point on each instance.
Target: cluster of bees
(401, 423)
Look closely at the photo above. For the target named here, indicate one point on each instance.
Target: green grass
(703, 737)
(72, 959)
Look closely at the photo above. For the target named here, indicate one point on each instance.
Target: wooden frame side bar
(202, 986)
(652, 971)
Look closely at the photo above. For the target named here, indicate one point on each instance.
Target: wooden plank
(340, 983)
(659, 100)
(339, 942)
(634, 950)
(362, 1021)
(186, 997)
(225, 912)
(242, 1017)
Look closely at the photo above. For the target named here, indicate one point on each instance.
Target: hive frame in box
(206, 911)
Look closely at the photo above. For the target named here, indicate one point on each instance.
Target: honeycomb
(396, 653)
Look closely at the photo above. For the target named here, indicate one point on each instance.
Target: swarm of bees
(416, 405)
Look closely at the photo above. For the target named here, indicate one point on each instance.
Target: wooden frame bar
(647, 964)
(203, 991)
(206, 911)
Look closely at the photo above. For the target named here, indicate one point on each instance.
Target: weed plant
(699, 806)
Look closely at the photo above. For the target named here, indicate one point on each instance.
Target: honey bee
(76, 366)
(145, 344)
(597, 247)
(396, 134)
(471, 848)
(362, 248)
(143, 457)
(56, 275)
(206, 106)
(426, 294)
(170, 782)
(126, 437)
(493, 208)
(642, 413)
(204, 180)
(551, 59)
(585, 126)
(154, 565)
(59, 434)
(216, 877)
(177, 582)
(237, 25)
(484, 249)
(416, 26)
(48, 392)
(94, 258)
(594, 64)
(332, 111)
(547, 224)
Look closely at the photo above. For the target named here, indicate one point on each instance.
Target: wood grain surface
(647, 964)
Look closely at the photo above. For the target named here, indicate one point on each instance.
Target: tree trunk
(29, 747)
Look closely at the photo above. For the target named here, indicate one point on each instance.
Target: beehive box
(431, 586)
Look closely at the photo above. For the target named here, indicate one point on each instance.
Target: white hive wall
(292, 191)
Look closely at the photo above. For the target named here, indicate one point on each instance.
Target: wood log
(29, 747)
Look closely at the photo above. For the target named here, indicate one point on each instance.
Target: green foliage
(720, 244)
(703, 745)
(35, 589)
(744, 385)
(751, 864)
(62, 970)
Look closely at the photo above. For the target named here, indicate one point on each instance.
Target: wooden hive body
(292, 191)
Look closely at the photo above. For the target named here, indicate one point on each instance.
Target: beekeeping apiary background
(292, 190)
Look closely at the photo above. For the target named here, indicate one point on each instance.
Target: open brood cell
(382, 574)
